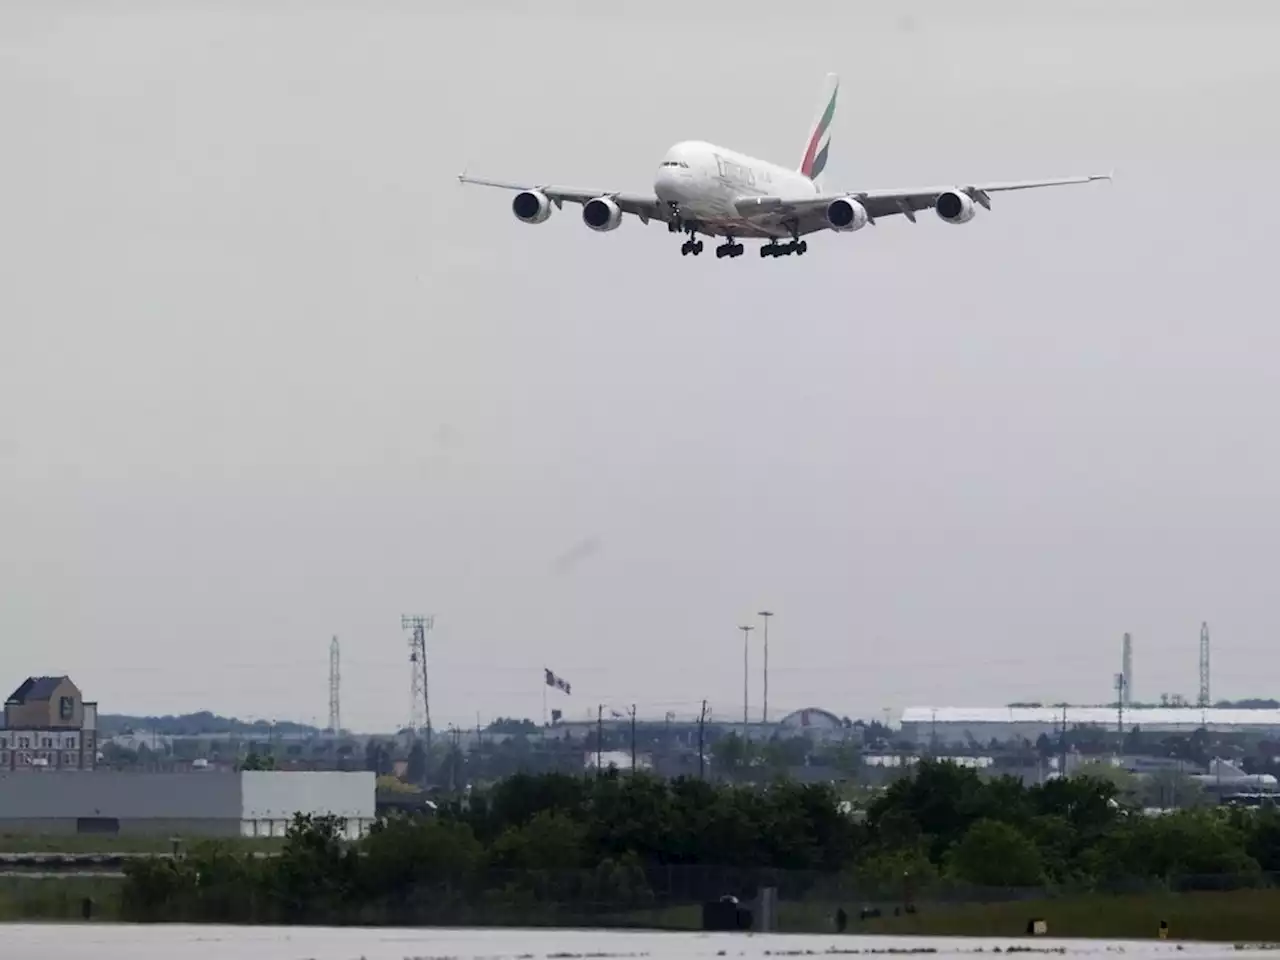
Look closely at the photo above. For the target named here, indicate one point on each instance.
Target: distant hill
(193, 725)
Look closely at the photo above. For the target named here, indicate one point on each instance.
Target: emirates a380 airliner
(701, 188)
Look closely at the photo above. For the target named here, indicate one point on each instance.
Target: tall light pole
(766, 614)
(746, 633)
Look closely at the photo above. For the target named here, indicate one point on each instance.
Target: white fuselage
(704, 181)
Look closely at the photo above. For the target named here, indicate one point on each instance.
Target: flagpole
(544, 702)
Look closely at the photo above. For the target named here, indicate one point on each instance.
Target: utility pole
(746, 632)
(633, 738)
(766, 614)
(599, 737)
(702, 723)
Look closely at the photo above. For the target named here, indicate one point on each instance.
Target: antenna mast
(1204, 665)
(335, 687)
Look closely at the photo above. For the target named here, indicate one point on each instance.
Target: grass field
(84, 843)
(1239, 915)
(58, 898)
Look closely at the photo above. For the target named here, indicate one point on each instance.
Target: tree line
(609, 843)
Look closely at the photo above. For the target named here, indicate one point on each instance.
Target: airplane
(701, 188)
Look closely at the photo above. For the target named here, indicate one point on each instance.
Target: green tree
(406, 856)
(732, 754)
(1261, 830)
(377, 757)
(942, 799)
(258, 761)
(416, 767)
(1185, 843)
(315, 873)
(995, 854)
(550, 841)
(780, 753)
(1169, 789)
(885, 875)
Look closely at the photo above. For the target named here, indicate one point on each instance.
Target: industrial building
(925, 726)
(190, 804)
(48, 725)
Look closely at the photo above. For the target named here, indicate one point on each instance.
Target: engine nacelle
(531, 206)
(952, 206)
(846, 214)
(601, 214)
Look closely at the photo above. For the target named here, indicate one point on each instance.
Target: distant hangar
(963, 725)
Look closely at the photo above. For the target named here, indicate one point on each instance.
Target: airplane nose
(667, 184)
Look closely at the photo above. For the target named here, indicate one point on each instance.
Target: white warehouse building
(257, 803)
(964, 725)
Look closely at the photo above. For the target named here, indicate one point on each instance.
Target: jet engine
(952, 206)
(601, 214)
(531, 206)
(846, 214)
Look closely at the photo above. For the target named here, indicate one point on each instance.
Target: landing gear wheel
(802, 247)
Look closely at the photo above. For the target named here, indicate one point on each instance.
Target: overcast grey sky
(268, 373)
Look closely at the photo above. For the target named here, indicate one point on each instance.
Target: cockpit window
(675, 163)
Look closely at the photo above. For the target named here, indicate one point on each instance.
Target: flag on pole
(560, 683)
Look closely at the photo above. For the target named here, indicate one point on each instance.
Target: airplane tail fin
(819, 143)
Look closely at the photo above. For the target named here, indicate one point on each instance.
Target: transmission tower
(1126, 668)
(335, 686)
(419, 693)
(1204, 665)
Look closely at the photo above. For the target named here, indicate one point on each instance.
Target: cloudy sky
(268, 373)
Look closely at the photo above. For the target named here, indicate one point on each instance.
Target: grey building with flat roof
(257, 803)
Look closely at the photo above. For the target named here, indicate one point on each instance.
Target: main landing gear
(775, 249)
(691, 245)
(730, 248)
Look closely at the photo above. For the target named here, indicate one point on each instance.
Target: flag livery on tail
(819, 146)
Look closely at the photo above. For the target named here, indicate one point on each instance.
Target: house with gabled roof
(48, 725)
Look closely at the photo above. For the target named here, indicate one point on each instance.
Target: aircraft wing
(645, 206)
(809, 211)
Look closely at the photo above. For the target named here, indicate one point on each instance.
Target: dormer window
(66, 707)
